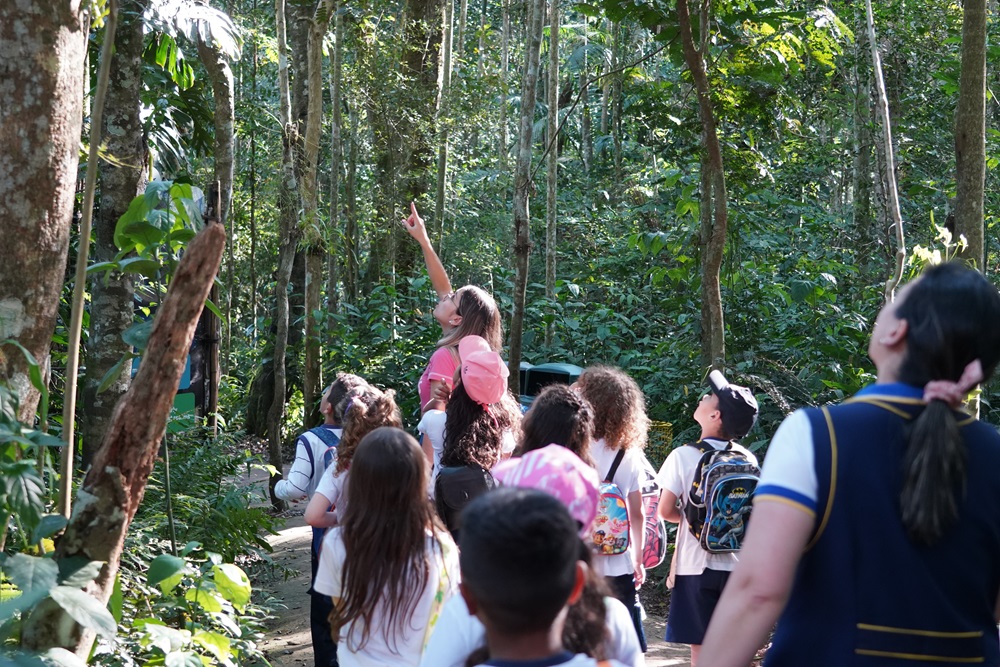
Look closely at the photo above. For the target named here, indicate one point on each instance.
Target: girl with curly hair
(481, 426)
(620, 431)
(364, 409)
(390, 565)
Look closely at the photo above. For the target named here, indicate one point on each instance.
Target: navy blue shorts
(691, 605)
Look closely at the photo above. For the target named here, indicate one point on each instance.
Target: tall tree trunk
(552, 138)
(585, 130)
(221, 76)
(336, 160)
(311, 234)
(482, 41)
(253, 199)
(522, 183)
(289, 234)
(111, 296)
(888, 160)
(714, 212)
(616, 98)
(443, 121)
(351, 224)
(116, 483)
(504, 74)
(863, 220)
(970, 132)
(40, 122)
(463, 17)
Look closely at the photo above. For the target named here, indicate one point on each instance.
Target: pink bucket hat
(560, 473)
(484, 373)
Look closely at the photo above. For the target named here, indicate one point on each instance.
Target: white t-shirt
(432, 426)
(333, 487)
(458, 633)
(676, 475)
(629, 478)
(789, 468)
(409, 636)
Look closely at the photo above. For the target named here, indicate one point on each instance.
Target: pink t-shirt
(441, 366)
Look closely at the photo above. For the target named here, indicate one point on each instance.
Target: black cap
(736, 404)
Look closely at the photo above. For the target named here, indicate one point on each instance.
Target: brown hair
(364, 409)
(385, 527)
(953, 317)
(480, 317)
(619, 407)
(339, 389)
(562, 416)
(473, 435)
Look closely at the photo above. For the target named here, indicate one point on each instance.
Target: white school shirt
(629, 478)
(408, 640)
(676, 475)
(305, 473)
(458, 633)
(333, 487)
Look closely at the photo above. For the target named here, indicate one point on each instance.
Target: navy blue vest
(863, 593)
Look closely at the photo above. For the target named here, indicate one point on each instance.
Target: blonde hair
(480, 317)
(619, 407)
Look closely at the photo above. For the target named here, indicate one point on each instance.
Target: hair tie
(953, 393)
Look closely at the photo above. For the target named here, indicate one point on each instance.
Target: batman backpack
(721, 497)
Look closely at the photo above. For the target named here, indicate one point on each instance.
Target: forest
(215, 189)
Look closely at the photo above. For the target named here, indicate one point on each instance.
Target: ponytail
(365, 409)
(934, 465)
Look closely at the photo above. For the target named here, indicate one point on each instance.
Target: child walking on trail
(389, 565)
(520, 573)
(725, 414)
(365, 409)
(314, 452)
(467, 311)
(620, 432)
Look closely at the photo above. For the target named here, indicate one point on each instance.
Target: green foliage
(189, 609)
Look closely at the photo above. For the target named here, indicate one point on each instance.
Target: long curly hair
(619, 407)
(364, 408)
(473, 435)
(385, 527)
(339, 389)
(562, 416)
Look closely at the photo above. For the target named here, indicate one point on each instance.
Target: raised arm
(414, 225)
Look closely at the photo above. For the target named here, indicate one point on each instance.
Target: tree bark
(336, 255)
(585, 123)
(111, 295)
(289, 234)
(523, 184)
(552, 139)
(40, 121)
(463, 17)
(437, 231)
(313, 238)
(113, 489)
(888, 160)
(617, 100)
(504, 74)
(970, 132)
(221, 76)
(714, 212)
(351, 224)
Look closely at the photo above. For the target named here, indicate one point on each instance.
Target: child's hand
(440, 391)
(640, 575)
(414, 225)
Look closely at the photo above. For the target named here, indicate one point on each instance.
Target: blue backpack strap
(330, 439)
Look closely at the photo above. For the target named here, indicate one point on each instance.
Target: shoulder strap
(701, 446)
(619, 457)
(329, 438)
